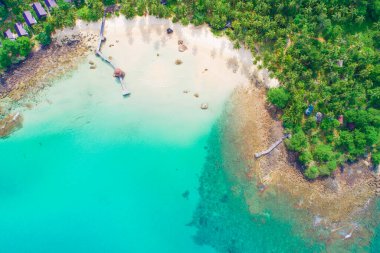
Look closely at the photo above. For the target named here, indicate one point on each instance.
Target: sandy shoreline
(338, 200)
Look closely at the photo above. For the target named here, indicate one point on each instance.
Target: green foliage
(5, 59)
(310, 124)
(92, 11)
(109, 2)
(44, 38)
(323, 153)
(127, 9)
(305, 157)
(376, 158)
(3, 13)
(25, 46)
(279, 97)
(312, 172)
(298, 142)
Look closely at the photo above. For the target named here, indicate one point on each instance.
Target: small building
(9, 35)
(20, 30)
(29, 19)
(309, 110)
(40, 11)
(164, 2)
(51, 3)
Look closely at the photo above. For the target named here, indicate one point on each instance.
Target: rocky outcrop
(204, 106)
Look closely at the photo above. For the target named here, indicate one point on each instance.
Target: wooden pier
(124, 89)
(274, 145)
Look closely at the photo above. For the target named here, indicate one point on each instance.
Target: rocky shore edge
(335, 203)
(22, 82)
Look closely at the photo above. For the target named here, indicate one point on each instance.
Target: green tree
(44, 38)
(298, 142)
(5, 59)
(25, 45)
(279, 97)
(323, 153)
(312, 172)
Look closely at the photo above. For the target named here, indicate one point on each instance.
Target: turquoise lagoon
(91, 171)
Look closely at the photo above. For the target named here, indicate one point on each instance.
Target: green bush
(312, 172)
(279, 97)
(376, 158)
(127, 9)
(310, 123)
(298, 142)
(323, 171)
(305, 157)
(323, 153)
(44, 38)
(25, 46)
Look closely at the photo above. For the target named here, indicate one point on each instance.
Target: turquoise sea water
(93, 172)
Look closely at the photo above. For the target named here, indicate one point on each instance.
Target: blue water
(92, 172)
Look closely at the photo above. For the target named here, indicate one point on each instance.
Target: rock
(91, 62)
(110, 58)
(117, 41)
(196, 95)
(93, 67)
(185, 91)
(204, 106)
(186, 194)
(182, 48)
(180, 42)
(158, 54)
(178, 62)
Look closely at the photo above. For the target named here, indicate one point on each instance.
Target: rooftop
(40, 11)
(20, 30)
(29, 19)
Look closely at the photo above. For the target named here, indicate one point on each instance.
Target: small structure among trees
(9, 35)
(51, 4)
(20, 30)
(40, 11)
(29, 19)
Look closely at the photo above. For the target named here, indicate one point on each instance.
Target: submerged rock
(204, 106)
(186, 194)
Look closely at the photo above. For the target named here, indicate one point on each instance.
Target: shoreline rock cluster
(339, 200)
(23, 81)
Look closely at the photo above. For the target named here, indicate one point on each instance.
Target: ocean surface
(91, 171)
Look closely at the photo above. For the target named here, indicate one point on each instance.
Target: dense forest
(325, 53)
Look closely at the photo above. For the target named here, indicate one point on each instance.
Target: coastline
(253, 126)
(23, 81)
(335, 202)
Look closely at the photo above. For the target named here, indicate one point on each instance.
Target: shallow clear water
(93, 172)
